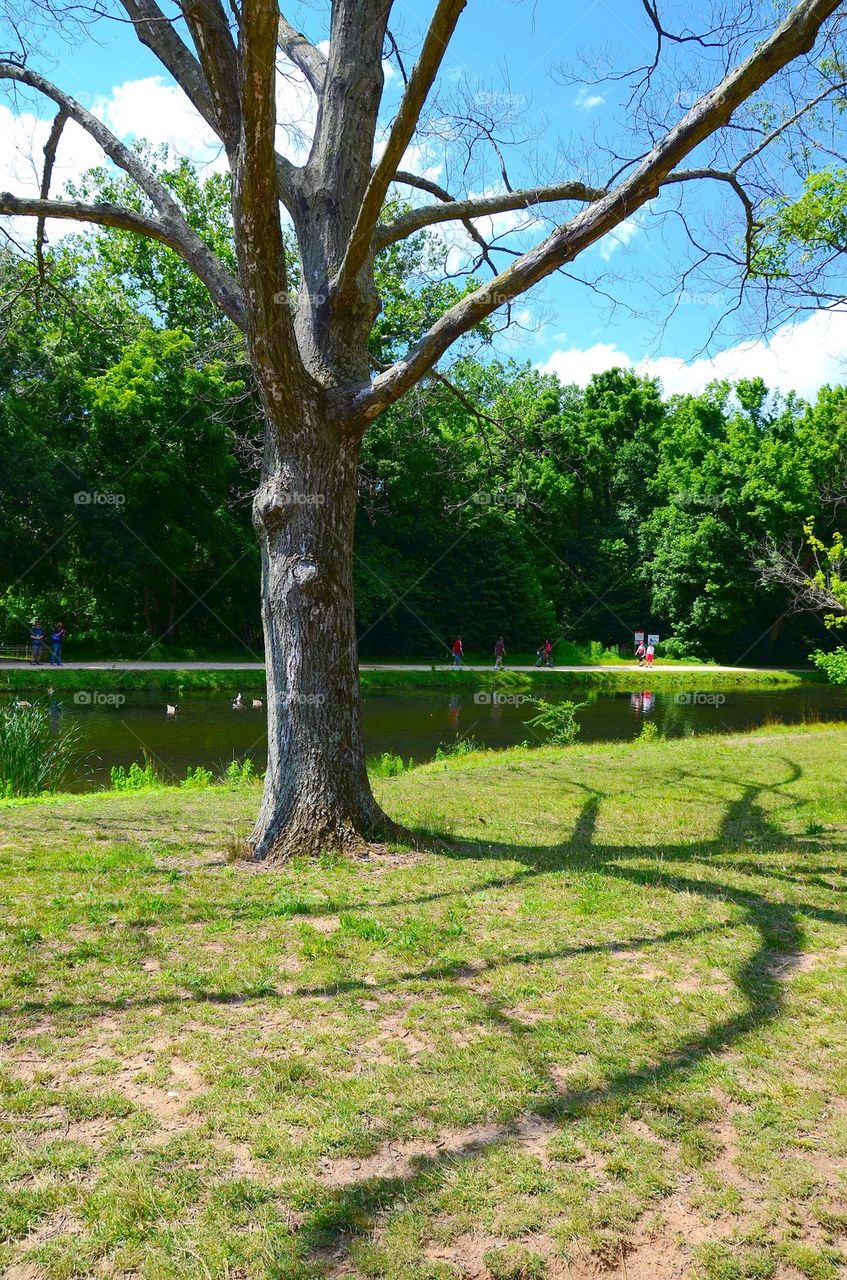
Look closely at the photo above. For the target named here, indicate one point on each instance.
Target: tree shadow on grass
(346, 1213)
(339, 1215)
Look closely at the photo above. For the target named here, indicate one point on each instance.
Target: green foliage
(795, 233)
(460, 747)
(34, 757)
(649, 732)
(138, 777)
(197, 778)
(240, 772)
(833, 664)
(388, 765)
(564, 511)
(557, 720)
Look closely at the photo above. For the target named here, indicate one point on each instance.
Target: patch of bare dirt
(324, 924)
(399, 1159)
(393, 1031)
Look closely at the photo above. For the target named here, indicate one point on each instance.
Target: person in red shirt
(458, 651)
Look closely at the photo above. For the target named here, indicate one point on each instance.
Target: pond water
(207, 731)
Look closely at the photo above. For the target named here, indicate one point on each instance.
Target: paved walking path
(377, 666)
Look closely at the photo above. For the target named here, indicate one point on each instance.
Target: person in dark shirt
(36, 640)
(499, 653)
(57, 639)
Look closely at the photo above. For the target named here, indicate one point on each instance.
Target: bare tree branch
(303, 54)
(172, 228)
(205, 265)
(258, 231)
(420, 82)
(460, 210)
(159, 35)
(157, 32)
(46, 176)
(215, 46)
(795, 35)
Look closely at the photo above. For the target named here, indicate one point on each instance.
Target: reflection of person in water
(453, 711)
(635, 701)
(647, 701)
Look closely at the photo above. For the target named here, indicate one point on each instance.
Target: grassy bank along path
(399, 678)
(594, 1023)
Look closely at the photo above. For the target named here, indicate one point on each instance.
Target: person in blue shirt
(36, 640)
(57, 639)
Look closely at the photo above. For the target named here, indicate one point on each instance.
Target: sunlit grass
(593, 1024)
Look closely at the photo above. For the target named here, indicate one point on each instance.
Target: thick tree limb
(311, 61)
(440, 193)
(49, 160)
(420, 82)
(157, 32)
(796, 35)
(258, 231)
(122, 156)
(202, 261)
(171, 222)
(215, 46)
(461, 210)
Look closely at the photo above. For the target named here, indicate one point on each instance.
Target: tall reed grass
(34, 756)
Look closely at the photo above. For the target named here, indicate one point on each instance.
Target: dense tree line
(495, 501)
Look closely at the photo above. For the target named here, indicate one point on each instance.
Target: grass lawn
(64, 682)
(595, 1025)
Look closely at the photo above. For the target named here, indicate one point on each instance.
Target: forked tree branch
(157, 32)
(159, 35)
(202, 261)
(171, 226)
(426, 68)
(310, 60)
(796, 35)
(112, 146)
(480, 206)
(215, 46)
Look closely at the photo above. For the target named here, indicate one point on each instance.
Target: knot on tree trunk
(273, 504)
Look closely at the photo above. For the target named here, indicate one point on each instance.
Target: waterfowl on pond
(170, 709)
(238, 703)
(257, 704)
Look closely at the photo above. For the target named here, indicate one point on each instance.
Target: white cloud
(160, 113)
(22, 139)
(799, 357)
(619, 238)
(573, 364)
(587, 101)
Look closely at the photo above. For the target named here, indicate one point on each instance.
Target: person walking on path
(640, 653)
(36, 640)
(458, 651)
(545, 655)
(650, 655)
(57, 639)
(499, 654)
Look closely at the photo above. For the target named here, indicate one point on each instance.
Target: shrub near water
(34, 757)
(557, 721)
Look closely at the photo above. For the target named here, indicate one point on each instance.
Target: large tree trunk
(317, 794)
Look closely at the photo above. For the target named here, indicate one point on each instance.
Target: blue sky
(501, 46)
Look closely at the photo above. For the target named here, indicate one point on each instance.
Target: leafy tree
(311, 357)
